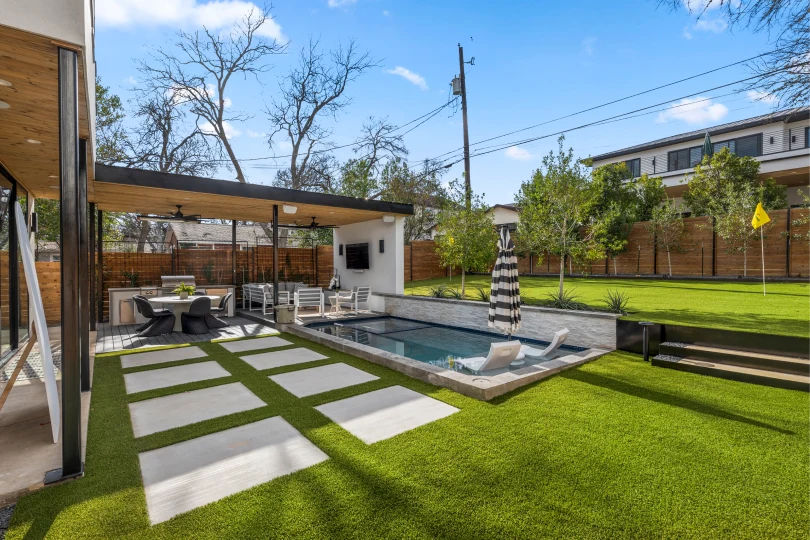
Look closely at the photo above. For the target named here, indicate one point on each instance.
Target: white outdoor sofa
(262, 294)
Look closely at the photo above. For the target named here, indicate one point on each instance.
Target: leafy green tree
(804, 219)
(110, 134)
(666, 224)
(649, 194)
(467, 236)
(727, 187)
(616, 207)
(556, 209)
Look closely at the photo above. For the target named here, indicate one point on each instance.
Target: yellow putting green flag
(760, 217)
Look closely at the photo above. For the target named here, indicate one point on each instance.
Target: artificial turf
(613, 449)
(729, 305)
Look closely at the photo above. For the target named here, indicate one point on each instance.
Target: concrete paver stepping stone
(287, 357)
(168, 412)
(381, 414)
(190, 474)
(142, 381)
(308, 382)
(254, 344)
(161, 357)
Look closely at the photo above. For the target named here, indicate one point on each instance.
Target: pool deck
(482, 387)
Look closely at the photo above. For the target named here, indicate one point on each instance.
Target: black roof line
(112, 174)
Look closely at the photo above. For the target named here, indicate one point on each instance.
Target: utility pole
(463, 91)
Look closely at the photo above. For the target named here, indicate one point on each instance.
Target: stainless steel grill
(168, 283)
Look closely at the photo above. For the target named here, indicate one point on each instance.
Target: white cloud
(518, 153)
(386, 13)
(340, 3)
(227, 102)
(698, 110)
(230, 131)
(686, 33)
(185, 14)
(717, 25)
(132, 81)
(410, 76)
(256, 134)
(588, 45)
(764, 97)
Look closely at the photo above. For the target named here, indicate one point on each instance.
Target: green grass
(613, 449)
(729, 305)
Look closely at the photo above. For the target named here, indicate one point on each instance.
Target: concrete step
(734, 372)
(724, 355)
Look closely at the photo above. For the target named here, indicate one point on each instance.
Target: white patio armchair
(268, 300)
(360, 295)
(309, 297)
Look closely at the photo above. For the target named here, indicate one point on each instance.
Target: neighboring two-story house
(779, 140)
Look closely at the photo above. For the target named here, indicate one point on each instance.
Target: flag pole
(762, 246)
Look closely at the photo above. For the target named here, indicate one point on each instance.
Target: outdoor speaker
(340, 250)
(34, 223)
(382, 246)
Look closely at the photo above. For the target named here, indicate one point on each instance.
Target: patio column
(99, 284)
(233, 256)
(275, 255)
(92, 262)
(68, 84)
(84, 285)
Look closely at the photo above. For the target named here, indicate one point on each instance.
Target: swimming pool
(431, 343)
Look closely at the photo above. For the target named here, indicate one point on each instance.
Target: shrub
(454, 294)
(440, 291)
(617, 301)
(566, 300)
(482, 294)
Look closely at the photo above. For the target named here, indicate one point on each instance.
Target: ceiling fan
(175, 217)
(312, 226)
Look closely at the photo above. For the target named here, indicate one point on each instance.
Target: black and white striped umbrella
(504, 293)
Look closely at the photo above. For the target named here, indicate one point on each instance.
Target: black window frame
(687, 160)
(633, 167)
(736, 142)
(807, 137)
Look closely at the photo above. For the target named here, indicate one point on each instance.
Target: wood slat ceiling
(30, 63)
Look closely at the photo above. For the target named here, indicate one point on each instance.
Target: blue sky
(534, 61)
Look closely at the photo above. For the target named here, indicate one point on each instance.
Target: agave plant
(482, 294)
(440, 291)
(454, 294)
(616, 301)
(566, 300)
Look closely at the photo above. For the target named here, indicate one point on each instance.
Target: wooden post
(275, 255)
(714, 249)
(233, 255)
(68, 90)
(92, 262)
(787, 254)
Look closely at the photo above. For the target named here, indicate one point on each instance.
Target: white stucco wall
(386, 271)
(503, 216)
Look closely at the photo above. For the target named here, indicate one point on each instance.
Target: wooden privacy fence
(701, 253)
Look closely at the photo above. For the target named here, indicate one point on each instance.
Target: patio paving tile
(254, 344)
(287, 357)
(308, 382)
(190, 474)
(167, 412)
(381, 414)
(161, 357)
(172, 376)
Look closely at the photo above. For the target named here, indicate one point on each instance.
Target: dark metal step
(733, 372)
(724, 355)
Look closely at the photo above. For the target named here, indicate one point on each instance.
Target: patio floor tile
(167, 412)
(190, 474)
(287, 357)
(254, 344)
(381, 414)
(161, 357)
(308, 382)
(172, 376)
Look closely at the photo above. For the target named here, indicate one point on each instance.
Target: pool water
(425, 342)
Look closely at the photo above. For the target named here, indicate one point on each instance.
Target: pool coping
(480, 387)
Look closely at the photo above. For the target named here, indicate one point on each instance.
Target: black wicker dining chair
(222, 309)
(161, 321)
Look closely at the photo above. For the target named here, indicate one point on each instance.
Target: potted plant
(184, 290)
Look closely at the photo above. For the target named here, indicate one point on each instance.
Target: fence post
(787, 250)
(655, 253)
(714, 249)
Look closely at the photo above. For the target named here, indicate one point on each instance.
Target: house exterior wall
(503, 216)
(784, 148)
(386, 273)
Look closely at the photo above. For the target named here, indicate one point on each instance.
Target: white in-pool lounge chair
(500, 355)
(550, 351)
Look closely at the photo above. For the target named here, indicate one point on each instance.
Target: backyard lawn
(729, 305)
(613, 449)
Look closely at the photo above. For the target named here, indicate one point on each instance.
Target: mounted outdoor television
(357, 256)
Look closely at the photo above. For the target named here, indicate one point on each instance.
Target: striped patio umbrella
(504, 293)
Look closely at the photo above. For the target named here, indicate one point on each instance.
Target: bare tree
(378, 142)
(785, 73)
(165, 140)
(313, 89)
(199, 70)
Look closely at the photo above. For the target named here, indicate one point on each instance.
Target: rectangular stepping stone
(167, 412)
(287, 357)
(254, 344)
(160, 357)
(381, 414)
(308, 382)
(172, 376)
(190, 474)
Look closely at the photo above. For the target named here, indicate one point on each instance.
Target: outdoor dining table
(180, 306)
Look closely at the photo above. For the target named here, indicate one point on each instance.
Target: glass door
(5, 266)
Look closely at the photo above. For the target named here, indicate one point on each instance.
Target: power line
(617, 100)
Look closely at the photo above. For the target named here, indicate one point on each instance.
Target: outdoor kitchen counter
(122, 307)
